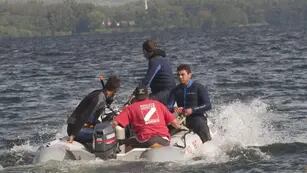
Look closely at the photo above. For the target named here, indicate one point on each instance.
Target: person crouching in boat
(81, 122)
(149, 119)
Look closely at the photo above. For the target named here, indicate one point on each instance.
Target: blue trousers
(85, 135)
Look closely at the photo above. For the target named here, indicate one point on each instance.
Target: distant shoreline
(35, 18)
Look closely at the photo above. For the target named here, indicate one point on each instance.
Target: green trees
(95, 18)
(229, 16)
(35, 18)
(39, 18)
(60, 18)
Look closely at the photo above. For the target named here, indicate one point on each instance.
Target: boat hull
(184, 145)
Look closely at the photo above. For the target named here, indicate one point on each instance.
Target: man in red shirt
(149, 120)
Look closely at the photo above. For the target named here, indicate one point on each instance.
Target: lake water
(257, 81)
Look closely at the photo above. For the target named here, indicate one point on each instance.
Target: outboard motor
(104, 141)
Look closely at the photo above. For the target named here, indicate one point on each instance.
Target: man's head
(140, 93)
(112, 87)
(184, 74)
(148, 47)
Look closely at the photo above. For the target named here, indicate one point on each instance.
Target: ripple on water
(43, 79)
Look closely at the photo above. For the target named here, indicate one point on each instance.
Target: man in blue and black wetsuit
(193, 101)
(159, 74)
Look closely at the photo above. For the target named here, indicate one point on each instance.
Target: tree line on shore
(38, 18)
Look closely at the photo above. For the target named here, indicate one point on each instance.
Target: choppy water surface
(257, 80)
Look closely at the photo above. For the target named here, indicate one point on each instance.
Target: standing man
(193, 101)
(149, 120)
(159, 74)
(82, 121)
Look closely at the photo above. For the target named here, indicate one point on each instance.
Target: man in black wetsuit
(193, 101)
(85, 116)
(159, 74)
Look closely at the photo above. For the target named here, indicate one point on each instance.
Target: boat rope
(183, 138)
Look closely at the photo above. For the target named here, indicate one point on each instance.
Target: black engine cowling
(104, 141)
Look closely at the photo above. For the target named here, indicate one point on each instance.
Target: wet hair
(185, 67)
(113, 83)
(149, 45)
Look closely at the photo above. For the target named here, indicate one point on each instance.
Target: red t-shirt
(148, 118)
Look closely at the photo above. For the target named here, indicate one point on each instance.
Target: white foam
(214, 153)
(61, 132)
(245, 123)
(238, 124)
(24, 147)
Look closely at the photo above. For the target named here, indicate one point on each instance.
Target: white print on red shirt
(149, 112)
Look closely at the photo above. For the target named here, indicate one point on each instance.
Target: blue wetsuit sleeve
(153, 68)
(171, 100)
(203, 100)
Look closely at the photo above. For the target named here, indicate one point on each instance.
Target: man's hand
(187, 112)
(182, 127)
(178, 110)
(114, 123)
(175, 124)
(101, 77)
(71, 139)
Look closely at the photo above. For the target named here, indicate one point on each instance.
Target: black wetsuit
(87, 111)
(159, 77)
(194, 96)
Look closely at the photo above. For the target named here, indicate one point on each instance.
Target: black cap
(141, 92)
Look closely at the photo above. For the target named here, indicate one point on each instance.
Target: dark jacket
(194, 96)
(87, 111)
(159, 74)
